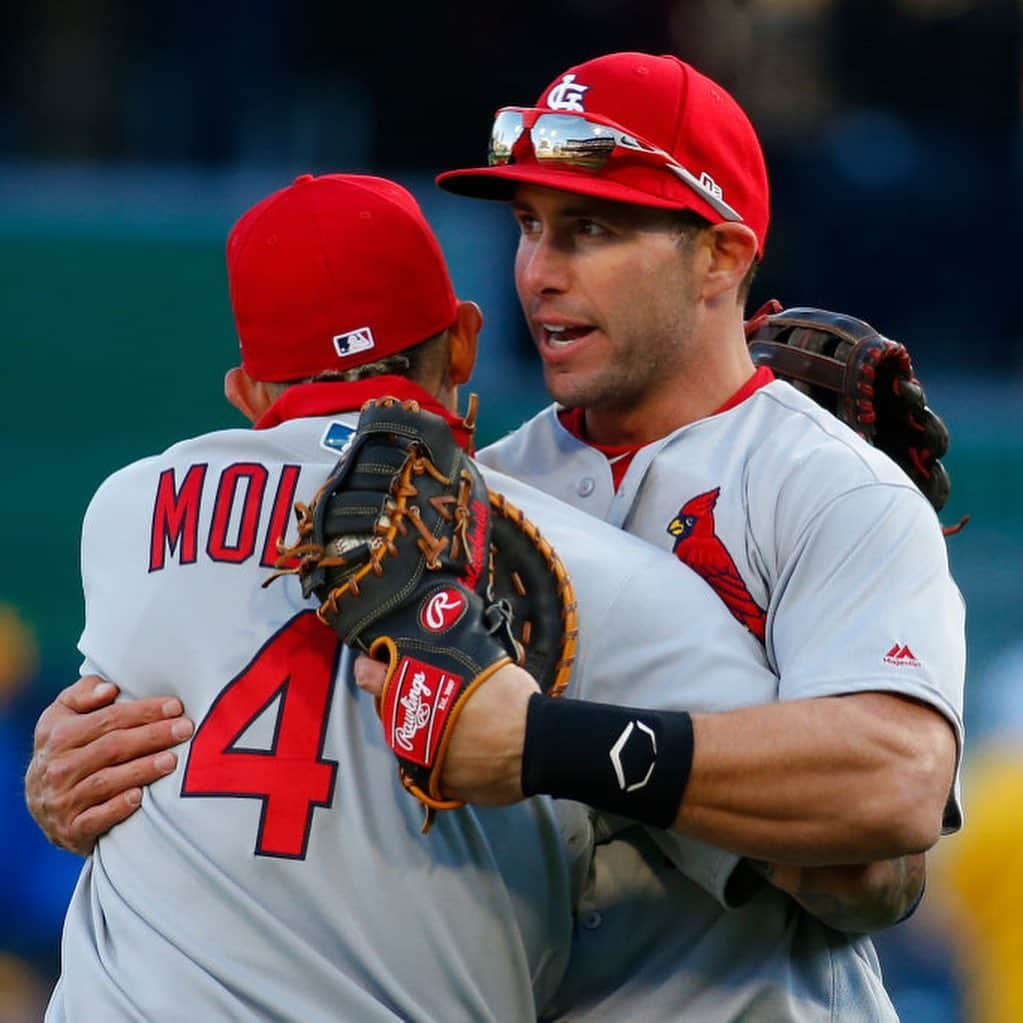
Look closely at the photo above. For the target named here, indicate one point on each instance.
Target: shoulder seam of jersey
(822, 426)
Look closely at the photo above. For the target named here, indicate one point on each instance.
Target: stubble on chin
(612, 393)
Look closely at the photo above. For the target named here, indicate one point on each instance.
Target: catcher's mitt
(863, 378)
(414, 559)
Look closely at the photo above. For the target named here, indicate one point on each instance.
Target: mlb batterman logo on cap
(334, 272)
(633, 128)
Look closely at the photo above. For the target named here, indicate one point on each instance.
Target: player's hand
(92, 756)
(858, 898)
(484, 758)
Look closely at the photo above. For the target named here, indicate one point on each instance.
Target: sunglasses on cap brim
(585, 142)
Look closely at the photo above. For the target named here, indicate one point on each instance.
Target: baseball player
(765, 958)
(641, 194)
(279, 872)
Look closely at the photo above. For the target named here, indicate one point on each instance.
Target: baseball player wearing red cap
(642, 197)
(768, 958)
(279, 871)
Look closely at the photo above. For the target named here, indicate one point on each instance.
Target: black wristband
(619, 759)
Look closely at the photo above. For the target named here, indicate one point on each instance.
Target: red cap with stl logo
(333, 272)
(666, 103)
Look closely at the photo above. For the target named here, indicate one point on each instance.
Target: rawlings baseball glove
(863, 378)
(415, 561)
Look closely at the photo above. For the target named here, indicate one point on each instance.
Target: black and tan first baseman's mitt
(415, 561)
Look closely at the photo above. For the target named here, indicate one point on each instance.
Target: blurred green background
(119, 346)
(117, 341)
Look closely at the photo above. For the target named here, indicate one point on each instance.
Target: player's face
(607, 292)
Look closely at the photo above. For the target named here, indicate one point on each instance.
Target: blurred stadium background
(133, 134)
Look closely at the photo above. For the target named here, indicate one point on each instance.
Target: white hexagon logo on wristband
(635, 732)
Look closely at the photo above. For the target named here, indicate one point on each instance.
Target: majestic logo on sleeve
(696, 544)
(567, 95)
(901, 656)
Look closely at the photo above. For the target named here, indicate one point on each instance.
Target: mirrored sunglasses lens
(573, 141)
(506, 132)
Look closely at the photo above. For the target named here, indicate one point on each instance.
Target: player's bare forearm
(840, 780)
(91, 758)
(829, 781)
(484, 765)
(857, 898)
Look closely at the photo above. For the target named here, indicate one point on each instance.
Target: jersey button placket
(586, 486)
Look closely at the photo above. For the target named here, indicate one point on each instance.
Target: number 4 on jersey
(297, 666)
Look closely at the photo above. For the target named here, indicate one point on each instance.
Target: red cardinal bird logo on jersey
(698, 546)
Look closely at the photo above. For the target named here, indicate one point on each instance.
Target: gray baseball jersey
(280, 872)
(825, 551)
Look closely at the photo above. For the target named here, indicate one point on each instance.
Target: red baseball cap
(333, 272)
(665, 103)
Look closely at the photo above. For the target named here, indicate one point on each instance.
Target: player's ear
(729, 250)
(463, 340)
(249, 396)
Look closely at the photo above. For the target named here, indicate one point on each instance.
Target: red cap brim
(500, 182)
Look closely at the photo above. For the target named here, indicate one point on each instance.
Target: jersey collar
(620, 455)
(332, 397)
(573, 419)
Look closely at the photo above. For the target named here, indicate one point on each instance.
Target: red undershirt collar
(333, 397)
(573, 420)
(761, 378)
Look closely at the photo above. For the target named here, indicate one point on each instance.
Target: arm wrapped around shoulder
(863, 378)
(413, 560)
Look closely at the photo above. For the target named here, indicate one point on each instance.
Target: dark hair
(690, 224)
(422, 363)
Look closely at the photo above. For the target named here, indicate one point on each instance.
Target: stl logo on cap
(355, 341)
(567, 95)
